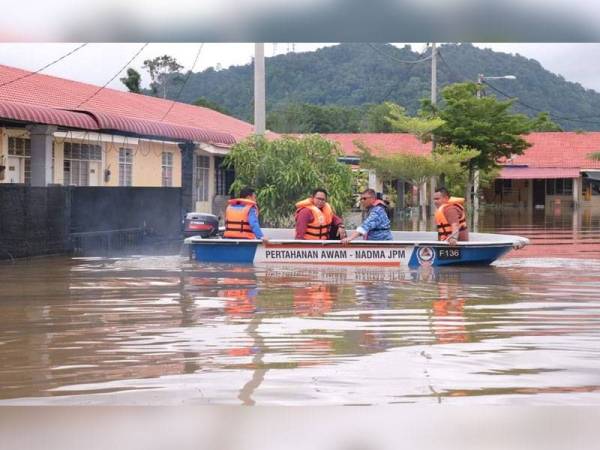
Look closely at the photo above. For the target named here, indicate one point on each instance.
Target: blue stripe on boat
(238, 252)
(479, 255)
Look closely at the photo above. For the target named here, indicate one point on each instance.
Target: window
(224, 178)
(202, 175)
(167, 169)
(559, 186)
(27, 171)
(568, 186)
(76, 165)
(125, 166)
(591, 187)
(21, 148)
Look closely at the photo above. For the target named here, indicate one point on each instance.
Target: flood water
(165, 330)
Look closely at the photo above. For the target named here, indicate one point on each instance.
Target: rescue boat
(409, 248)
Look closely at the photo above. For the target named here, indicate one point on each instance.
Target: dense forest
(347, 78)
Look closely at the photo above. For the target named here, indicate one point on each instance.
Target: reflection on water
(166, 330)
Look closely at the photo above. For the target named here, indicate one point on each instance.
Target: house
(59, 131)
(381, 144)
(555, 170)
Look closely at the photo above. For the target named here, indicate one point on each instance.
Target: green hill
(357, 74)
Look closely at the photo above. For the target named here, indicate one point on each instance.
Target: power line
(395, 85)
(516, 99)
(184, 83)
(387, 55)
(456, 76)
(45, 67)
(115, 76)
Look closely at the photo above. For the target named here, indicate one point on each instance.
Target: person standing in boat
(450, 217)
(376, 227)
(315, 219)
(241, 217)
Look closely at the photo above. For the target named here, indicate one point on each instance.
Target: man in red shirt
(315, 218)
(450, 217)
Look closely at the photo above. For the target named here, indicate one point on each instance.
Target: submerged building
(55, 131)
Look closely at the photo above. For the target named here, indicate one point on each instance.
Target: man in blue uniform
(376, 227)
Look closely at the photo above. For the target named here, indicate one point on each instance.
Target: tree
(418, 169)
(376, 118)
(206, 103)
(132, 80)
(292, 118)
(594, 156)
(306, 118)
(286, 170)
(483, 124)
(543, 122)
(422, 127)
(162, 69)
(452, 165)
(355, 74)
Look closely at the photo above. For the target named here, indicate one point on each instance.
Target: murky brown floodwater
(166, 330)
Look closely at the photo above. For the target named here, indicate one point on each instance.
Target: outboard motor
(201, 224)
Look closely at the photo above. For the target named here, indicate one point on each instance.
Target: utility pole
(433, 75)
(433, 181)
(474, 194)
(259, 88)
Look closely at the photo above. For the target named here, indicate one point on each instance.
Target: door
(94, 174)
(13, 170)
(539, 194)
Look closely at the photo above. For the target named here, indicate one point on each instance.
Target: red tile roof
(549, 149)
(529, 173)
(381, 143)
(555, 149)
(52, 92)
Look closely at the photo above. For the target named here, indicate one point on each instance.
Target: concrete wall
(40, 220)
(103, 208)
(33, 220)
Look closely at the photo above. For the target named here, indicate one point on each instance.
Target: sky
(97, 63)
(35, 32)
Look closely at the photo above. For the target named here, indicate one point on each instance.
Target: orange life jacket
(443, 227)
(313, 300)
(240, 304)
(236, 219)
(321, 223)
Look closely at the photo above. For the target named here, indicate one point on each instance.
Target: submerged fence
(106, 241)
(50, 220)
